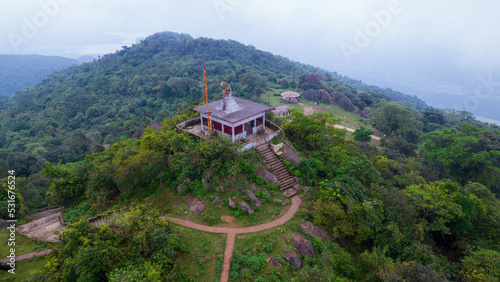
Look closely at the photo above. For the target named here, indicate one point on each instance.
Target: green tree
(363, 134)
(436, 203)
(396, 120)
(461, 151)
(137, 245)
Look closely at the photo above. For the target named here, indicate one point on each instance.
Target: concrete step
(287, 182)
(290, 192)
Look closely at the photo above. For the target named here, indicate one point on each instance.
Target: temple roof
(290, 94)
(237, 109)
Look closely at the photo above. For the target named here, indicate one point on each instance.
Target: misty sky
(380, 41)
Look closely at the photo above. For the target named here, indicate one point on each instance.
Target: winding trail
(231, 235)
(231, 232)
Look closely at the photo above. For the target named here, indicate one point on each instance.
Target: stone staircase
(287, 182)
(100, 220)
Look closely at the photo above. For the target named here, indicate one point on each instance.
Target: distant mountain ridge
(21, 71)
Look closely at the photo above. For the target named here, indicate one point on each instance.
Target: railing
(273, 127)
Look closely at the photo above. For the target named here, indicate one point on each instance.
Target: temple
(235, 118)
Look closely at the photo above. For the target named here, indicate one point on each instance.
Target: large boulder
(291, 155)
(232, 204)
(342, 101)
(314, 231)
(246, 207)
(293, 259)
(270, 259)
(303, 245)
(255, 188)
(251, 196)
(198, 207)
(267, 176)
(216, 201)
(324, 97)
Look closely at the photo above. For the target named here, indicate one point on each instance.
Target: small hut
(281, 111)
(290, 96)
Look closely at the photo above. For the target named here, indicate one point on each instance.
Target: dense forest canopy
(423, 203)
(81, 109)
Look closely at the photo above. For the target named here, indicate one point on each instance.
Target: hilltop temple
(235, 118)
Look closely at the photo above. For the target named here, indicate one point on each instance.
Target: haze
(445, 52)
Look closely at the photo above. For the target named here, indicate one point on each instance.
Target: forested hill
(87, 106)
(21, 71)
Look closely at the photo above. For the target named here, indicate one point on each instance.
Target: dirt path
(376, 138)
(231, 232)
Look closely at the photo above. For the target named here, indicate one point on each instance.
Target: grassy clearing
(24, 269)
(213, 213)
(23, 246)
(201, 254)
(253, 246)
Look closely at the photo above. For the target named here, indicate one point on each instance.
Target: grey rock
(198, 208)
(268, 195)
(255, 188)
(293, 259)
(266, 175)
(314, 231)
(286, 202)
(278, 201)
(303, 245)
(216, 201)
(180, 187)
(286, 239)
(253, 198)
(270, 259)
(204, 182)
(246, 207)
(232, 204)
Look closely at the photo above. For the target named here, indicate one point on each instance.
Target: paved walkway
(231, 235)
(231, 232)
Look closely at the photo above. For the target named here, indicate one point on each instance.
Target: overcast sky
(447, 37)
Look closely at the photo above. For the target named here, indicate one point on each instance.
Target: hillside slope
(97, 103)
(20, 71)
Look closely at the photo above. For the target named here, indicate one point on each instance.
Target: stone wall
(290, 154)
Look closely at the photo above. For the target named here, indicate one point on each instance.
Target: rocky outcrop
(270, 259)
(293, 259)
(198, 208)
(324, 97)
(291, 155)
(342, 101)
(267, 176)
(320, 96)
(180, 187)
(246, 207)
(216, 201)
(232, 204)
(251, 196)
(303, 245)
(255, 188)
(314, 231)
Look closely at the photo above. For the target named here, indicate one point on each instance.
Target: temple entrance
(248, 127)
